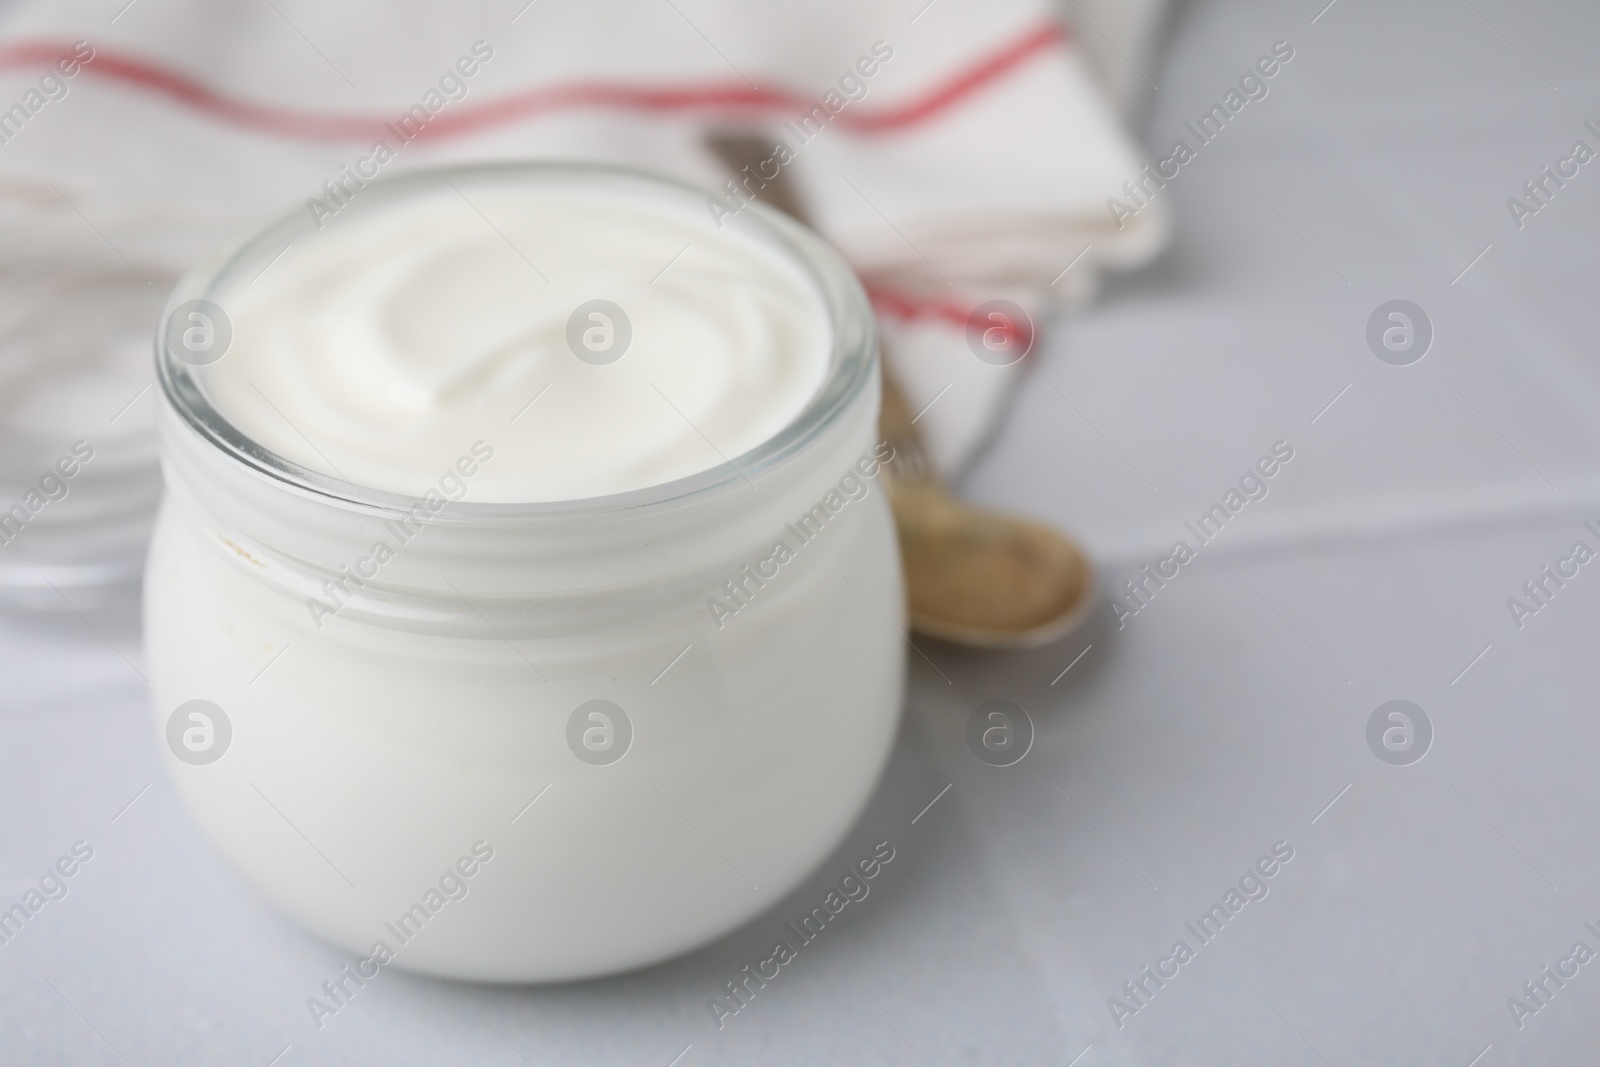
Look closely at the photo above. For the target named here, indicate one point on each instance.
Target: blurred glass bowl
(83, 277)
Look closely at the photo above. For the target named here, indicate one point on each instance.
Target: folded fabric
(957, 154)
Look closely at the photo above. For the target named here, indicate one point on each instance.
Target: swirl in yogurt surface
(377, 350)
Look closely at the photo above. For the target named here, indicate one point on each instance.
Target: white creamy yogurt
(376, 350)
(400, 682)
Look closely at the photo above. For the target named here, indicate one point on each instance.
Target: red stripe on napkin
(722, 99)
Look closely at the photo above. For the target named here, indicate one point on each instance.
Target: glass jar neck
(414, 567)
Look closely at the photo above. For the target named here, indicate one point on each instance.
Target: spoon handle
(973, 577)
(743, 153)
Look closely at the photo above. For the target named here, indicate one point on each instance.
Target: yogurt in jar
(375, 351)
(520, 511)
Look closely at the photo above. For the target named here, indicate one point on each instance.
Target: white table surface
(1225, 717)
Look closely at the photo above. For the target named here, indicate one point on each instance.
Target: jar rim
(851, 364)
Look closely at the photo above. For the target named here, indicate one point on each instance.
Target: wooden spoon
(973, 577)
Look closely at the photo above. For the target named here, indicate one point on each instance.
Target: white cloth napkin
(956, 152)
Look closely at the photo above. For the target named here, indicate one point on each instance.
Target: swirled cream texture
(380, 349)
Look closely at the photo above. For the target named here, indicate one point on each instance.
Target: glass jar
(527, 742)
